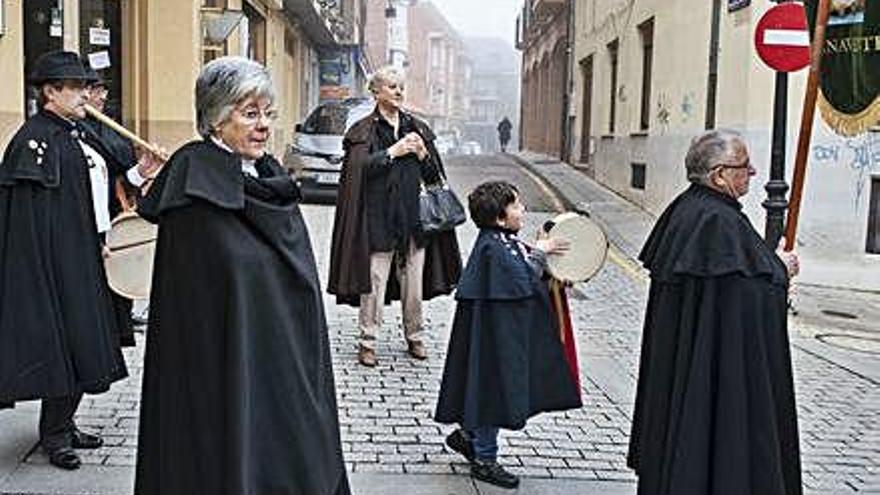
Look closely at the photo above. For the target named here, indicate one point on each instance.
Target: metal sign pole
(776, 187)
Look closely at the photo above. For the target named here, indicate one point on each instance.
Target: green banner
(849, 99)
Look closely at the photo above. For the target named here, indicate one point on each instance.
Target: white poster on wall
(99, 36)
(99, 60)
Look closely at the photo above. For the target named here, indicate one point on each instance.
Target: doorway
(43, 32)
(587, 109)
(100, 42)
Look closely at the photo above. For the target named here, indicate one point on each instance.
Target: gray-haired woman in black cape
(238, 393)
(715, 410)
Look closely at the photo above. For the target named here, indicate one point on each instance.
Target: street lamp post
(776, 187)
(776, 202)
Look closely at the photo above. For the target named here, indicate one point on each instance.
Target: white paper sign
(99, 36)
(99, 60)
(55, 31)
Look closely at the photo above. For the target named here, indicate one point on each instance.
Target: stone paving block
(402, 458)
(584, 474)
(377, 468)
(542, 462)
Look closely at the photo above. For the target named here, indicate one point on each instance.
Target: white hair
(223, 84)
(383, 76)
(708, 151)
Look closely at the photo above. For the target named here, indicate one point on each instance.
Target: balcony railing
(322, 21)
(547, 7)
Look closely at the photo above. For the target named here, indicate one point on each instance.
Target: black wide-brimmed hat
(57, 66)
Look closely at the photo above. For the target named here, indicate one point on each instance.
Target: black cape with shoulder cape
(238, 392)
(505, 362)
(715, 410)
(57, 332)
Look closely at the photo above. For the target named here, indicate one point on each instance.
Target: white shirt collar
(247, 166)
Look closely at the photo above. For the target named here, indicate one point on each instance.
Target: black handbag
(439, 209)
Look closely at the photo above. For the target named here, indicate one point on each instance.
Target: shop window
(253, 35)
(213, 46)
(100, 41)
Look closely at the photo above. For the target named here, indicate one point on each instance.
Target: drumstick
(124, 132)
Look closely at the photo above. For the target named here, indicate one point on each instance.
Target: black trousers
(56, 421)
(124, 326)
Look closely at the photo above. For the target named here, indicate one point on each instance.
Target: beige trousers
(410, 278)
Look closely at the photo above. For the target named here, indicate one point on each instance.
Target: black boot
(491, 472)
(83, 440)
(64, 457)
(460, 442)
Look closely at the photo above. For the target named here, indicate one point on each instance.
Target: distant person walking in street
(504, 128)
(389, 156)
(57, 330)
(715, 408)
(238, 391)
(505, 362)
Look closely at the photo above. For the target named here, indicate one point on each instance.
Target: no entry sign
(782, 38)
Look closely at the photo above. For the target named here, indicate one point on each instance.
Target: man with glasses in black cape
(57, 331)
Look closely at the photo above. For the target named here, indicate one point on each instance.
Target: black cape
(349, 275)
(57, 332)
(505, 362)
(118, 152)
(715, 410)
(238, 393)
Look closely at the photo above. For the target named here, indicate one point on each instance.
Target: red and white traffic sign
(782, 37)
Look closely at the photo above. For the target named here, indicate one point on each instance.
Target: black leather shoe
(83, 440)
(491, 472)
(65, 458)
(460, 442)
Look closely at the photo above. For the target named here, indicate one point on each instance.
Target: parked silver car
(315, 155)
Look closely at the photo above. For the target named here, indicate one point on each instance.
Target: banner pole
(806, 131)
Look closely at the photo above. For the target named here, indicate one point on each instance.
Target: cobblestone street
(385, 412)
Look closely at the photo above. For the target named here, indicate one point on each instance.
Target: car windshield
(326, 119)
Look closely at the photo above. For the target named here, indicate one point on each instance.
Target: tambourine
(131, 241)
(588, 247)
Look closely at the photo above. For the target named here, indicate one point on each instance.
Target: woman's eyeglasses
(251, 115)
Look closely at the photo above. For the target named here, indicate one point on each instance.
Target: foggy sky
(492, 18)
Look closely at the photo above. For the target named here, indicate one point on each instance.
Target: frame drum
(132, 243)
(587, 251)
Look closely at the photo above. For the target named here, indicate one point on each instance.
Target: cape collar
(716, 195)
(63, 124)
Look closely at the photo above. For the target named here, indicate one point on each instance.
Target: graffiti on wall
(860, 154)
(663, 114)
(687, 106)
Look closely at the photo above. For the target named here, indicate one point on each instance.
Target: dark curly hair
(488, 201)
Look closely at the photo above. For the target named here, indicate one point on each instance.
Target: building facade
(152, 51)
(649, 75)
(415, 37)
(438, 69)
(543, 36)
